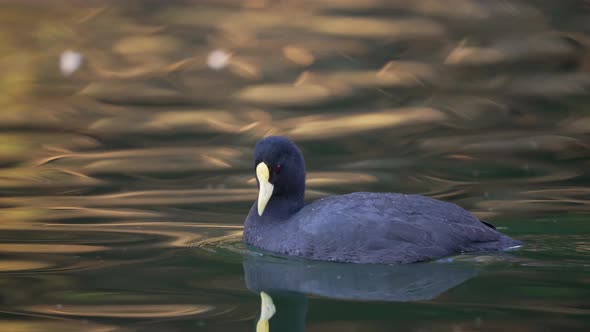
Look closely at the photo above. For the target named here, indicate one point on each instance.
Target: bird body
(359, 227)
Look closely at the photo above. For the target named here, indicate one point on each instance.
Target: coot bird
(360, 227)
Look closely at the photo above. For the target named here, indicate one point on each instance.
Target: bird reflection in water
(290, 281)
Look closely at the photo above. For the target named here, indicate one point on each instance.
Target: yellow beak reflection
(266, 188)
(267, 310)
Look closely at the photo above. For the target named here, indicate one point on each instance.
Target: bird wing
(395, 224)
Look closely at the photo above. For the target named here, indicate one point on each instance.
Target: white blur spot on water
(69, 62)
(513, 247)
(218, 59)
(445, 260)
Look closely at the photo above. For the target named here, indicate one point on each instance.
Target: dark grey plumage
(362, 227)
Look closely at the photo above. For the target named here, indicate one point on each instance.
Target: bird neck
(282, 207)
(277, 211)
(276, 215)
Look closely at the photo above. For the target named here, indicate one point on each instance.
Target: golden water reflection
(14, 265)
(29, 326)
(122, 311)
(55, 248)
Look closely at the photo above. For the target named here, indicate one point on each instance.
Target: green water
(124, 181)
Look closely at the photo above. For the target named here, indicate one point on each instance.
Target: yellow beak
(266, 188)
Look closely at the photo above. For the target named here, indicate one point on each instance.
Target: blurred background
(127, 128)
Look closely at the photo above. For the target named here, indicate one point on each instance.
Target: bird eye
(277, 168)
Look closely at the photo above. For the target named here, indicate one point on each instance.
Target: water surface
(124, 181)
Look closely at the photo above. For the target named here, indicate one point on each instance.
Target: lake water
(126, 133)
